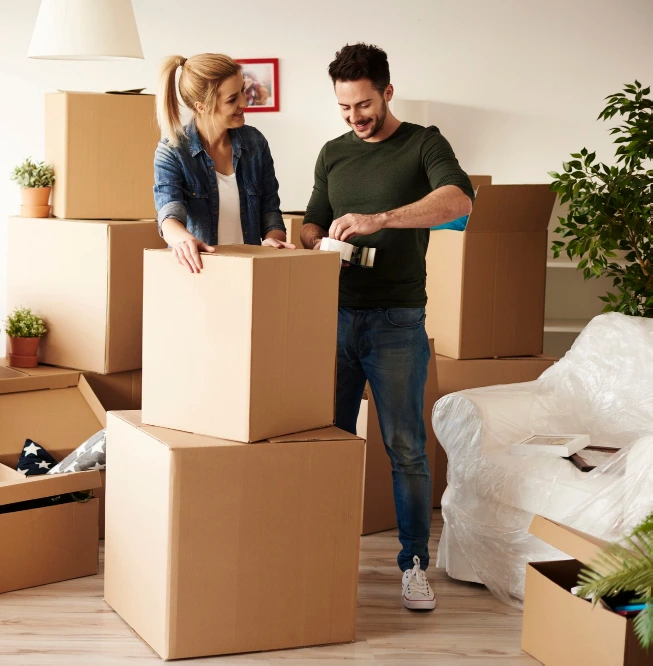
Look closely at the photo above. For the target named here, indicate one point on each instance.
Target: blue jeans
(390, 349)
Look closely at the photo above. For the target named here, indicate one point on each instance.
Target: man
(383, 185)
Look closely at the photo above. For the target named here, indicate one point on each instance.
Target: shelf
(565, 325)
(558, 263)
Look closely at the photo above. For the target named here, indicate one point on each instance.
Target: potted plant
(25, 330)
(626, 568)
(36, 180)
(609, 223)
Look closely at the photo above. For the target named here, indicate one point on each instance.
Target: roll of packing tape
(352, 254)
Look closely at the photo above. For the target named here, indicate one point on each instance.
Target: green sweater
(355, 176)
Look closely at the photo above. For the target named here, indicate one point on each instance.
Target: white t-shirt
(230, 230)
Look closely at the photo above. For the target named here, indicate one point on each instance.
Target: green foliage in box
(626, 567)
(608, 225)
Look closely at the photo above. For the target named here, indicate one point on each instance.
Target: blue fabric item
(186, 188)
(457, 225)
(34, 459)
(389, 348)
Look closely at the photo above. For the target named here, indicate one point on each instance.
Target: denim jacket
(186, 188)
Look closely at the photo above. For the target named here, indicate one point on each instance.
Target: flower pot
(35, 196)
(23, 352)
(35, 211)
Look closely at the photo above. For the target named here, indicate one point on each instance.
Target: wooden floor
(69, 623)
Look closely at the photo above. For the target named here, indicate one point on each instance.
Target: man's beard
(378, 124)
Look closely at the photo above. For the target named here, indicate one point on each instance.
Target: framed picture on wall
(261, 83)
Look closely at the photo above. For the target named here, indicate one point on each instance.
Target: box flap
(328, 434)
(582, 547)
(93, 401)
(14, 487)
(15, 381)
(501, 208)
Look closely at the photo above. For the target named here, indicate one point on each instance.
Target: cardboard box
(102, 148)
(477, 181)
(71, 378)
(486, 284)
(294, 222)
(217, 547)
(378, 499)
(560, 629)
(117, 391)
(85, 279)
(456, 375)
(43, 545)
(244, 350)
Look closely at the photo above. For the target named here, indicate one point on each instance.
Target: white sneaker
(415, 588)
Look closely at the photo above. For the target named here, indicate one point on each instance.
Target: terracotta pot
(35, 211)
(16, 361)
(24, 346)
(36, 196)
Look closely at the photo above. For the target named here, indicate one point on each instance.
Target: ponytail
(167, 103)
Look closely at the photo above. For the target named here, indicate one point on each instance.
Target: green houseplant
(36, 180)
(608, 225)
(626, 567)
(25, 330)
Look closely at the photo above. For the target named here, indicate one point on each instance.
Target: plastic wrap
(604, 387)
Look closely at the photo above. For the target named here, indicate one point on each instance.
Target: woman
(214, 178)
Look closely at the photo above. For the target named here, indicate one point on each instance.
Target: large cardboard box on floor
(486, 284)
(85, 278)
(378, 498)
(218, 547)
(294, 222)
(458, 375)
(561, 629)
(245, 349)
(102, 148)
(42, 542)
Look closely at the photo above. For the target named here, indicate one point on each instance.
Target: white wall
(515, 85)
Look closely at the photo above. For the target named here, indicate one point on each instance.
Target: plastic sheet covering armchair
(604, 387)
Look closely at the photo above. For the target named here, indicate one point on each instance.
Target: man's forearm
(442, 205)
(312, 234)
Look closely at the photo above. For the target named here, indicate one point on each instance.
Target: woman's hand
(187, 253)
(278, 244)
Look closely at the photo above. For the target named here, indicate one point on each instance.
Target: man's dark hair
(361, 61)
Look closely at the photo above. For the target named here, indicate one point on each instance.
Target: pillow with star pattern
(34, 459)
(92, 454)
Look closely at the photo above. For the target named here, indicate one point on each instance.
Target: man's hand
(318, 244)
(354, 224)
(278, 244)
(187, 253)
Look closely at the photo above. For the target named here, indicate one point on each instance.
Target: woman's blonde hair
(201, 77)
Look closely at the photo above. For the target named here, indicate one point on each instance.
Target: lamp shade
(85, 30)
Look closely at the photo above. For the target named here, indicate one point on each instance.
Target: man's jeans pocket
(405, 317)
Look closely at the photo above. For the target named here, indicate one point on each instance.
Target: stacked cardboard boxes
(83, 272)
(233, 504)
(486, 289)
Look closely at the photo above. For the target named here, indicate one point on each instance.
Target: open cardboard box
(53, 406)
(50, 543)
(561, 629)
(294, 223)
(486, 284)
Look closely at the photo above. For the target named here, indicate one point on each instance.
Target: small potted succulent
(25, 330)
(36, 180)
